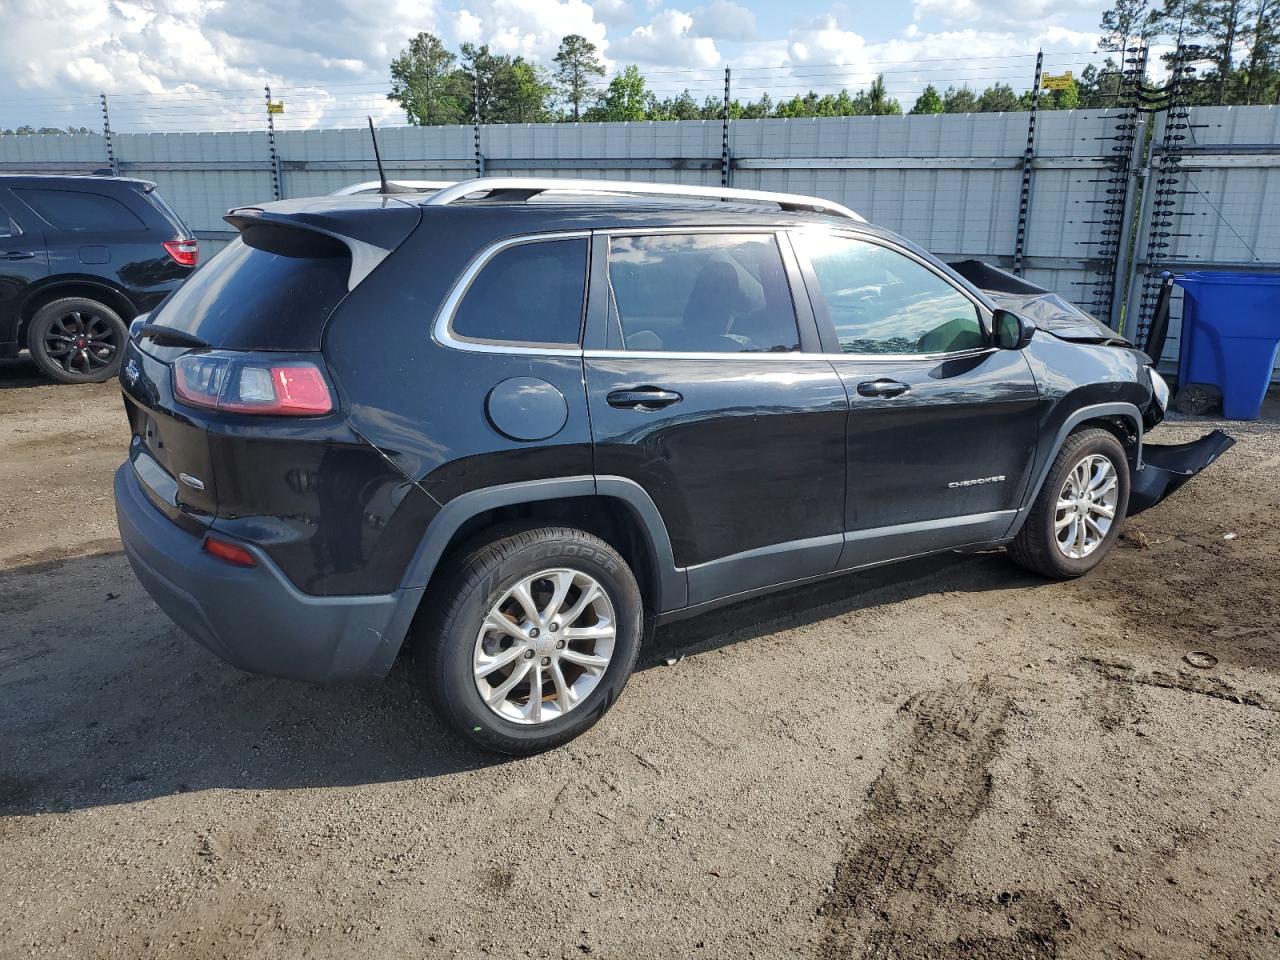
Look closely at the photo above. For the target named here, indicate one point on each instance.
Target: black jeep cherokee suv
(79, 258)
(513, 423)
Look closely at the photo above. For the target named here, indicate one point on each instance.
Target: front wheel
(76, 340)
(1078, 513)
(534, 638)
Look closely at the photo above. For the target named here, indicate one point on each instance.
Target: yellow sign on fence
(277, 106)
(1057, 81)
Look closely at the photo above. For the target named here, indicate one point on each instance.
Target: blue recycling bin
(1230, 334)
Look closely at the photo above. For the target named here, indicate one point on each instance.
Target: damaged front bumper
(1166, 467)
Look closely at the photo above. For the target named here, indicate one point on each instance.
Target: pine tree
(424, 84)
(577, 67)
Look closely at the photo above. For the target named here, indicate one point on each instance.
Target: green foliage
(929, 101)
(425, 83)
(959, 100)
(625, 98)
(26, 130)
(577, 69)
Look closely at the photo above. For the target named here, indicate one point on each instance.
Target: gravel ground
(943, 759)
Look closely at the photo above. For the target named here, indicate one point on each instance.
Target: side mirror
(1013, 332)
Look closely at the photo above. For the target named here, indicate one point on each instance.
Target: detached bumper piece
(1166, 467)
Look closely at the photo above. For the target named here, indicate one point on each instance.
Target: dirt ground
(943, 759)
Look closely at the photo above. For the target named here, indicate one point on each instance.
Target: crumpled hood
(1047, 310)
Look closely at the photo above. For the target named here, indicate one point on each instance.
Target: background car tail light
(184, 252)
(230, 552)
(252, 383)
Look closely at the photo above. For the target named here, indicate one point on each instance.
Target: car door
(23, 261)
(707, 390)
(942, 424)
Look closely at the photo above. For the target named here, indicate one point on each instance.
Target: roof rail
(522, 188)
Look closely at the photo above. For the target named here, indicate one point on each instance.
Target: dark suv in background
(517, 420)
(79, 258)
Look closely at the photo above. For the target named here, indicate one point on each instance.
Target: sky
(202, 64)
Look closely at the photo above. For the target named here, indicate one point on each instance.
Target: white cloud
(724, 20)
(527, 28)
(667, 41)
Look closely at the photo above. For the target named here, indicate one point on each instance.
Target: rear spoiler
(368, 233)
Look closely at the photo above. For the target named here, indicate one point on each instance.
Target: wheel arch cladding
(66, 289)
(613, 508)
(1108, 416)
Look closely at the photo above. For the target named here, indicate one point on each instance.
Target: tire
(455, 642)
(77, 340)
(1039, 545)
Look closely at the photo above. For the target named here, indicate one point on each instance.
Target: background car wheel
(1079, 510)
(75, 340)
(530, 638)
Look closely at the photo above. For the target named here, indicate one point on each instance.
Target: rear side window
(700, 293)
(79, 211)
(531, 293)
(273, 295)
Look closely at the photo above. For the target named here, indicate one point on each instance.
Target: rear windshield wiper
(170, 337)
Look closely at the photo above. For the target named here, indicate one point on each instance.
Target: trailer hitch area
(1166, 467)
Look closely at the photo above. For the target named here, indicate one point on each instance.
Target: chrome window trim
(676, 355)
(442, 326)
(983, 309)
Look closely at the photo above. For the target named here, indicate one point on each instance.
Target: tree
(1263, 61)
(1128, 22)
(625, 98)
(424, 82)
(929, 101)
(1217, 25)
(998, 98)
(962, 100)
(577, 66)
(501, 88)
(879, 103)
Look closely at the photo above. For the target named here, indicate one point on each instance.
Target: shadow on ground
(103, 701)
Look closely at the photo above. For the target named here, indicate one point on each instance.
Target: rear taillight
(252, 383)
(230, 552)
(184, 252)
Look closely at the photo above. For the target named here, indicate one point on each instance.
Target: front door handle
(643, 398)
(17, 255)
(882, 388)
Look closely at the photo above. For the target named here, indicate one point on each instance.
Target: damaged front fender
(1166, 467)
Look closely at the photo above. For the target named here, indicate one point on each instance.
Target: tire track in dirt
(893, 896)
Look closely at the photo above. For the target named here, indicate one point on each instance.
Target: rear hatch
(234, 352)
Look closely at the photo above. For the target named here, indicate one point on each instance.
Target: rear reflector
(252, 383)
(231, 552)
(184, 252)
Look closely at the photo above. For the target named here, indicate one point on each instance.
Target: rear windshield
(169, 213)
(250, 298)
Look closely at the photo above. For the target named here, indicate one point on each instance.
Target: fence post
(726, 177)
(276, 190)
(106, 135)
(1028, 157)
(1122, 272)
(475, 120)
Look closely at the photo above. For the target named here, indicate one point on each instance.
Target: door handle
(17, 255)
(643, 398)
(882, 388)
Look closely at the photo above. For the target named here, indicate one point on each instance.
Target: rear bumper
(1166, 467)
(253, 617)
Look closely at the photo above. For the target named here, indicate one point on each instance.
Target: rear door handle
(882, 388)
(17, 255)
(643, 398)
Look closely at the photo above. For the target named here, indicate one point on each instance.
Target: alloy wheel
(81, 342)
(1086, 506)
(544, 646)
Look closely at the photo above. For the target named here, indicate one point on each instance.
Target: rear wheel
(535, 635)
(1080, 508)
(76, 340)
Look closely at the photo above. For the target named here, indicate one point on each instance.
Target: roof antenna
(387, 185)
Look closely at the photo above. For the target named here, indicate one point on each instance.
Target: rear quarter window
(78, 211)
(530, 293)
